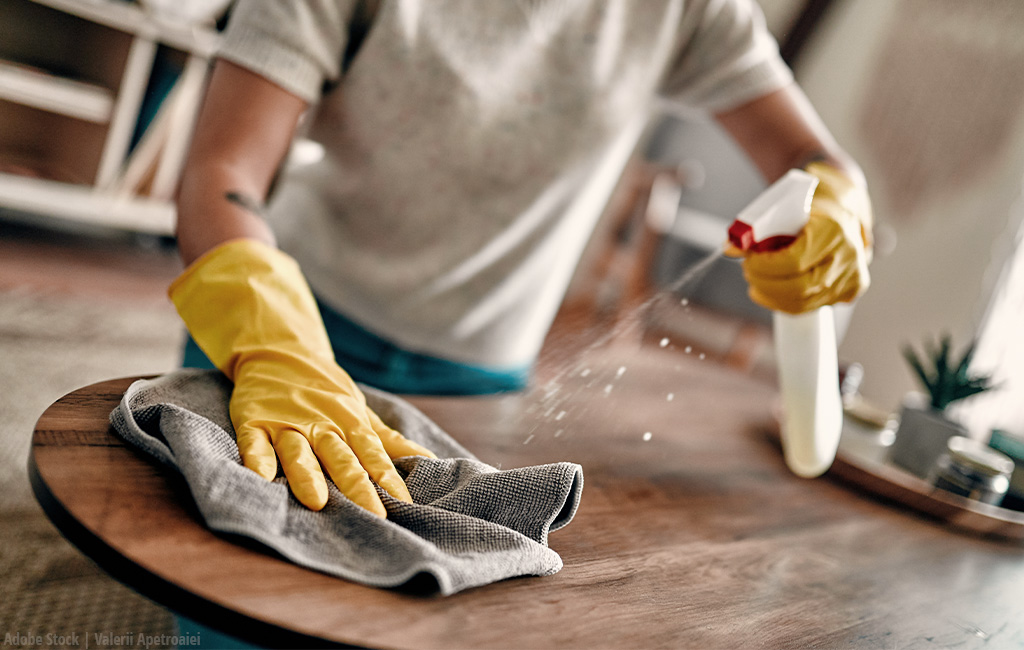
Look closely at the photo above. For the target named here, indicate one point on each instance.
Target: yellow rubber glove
(828, 261)
(247, 305)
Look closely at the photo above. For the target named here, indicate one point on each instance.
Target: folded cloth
(470, 524)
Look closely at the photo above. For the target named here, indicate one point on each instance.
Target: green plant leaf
(961, 392)
(947, 381)
(943, 380)
(915, 363)
(965, 362)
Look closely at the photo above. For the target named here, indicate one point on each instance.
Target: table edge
(147, 583)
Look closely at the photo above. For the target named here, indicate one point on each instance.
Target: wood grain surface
(697, 537)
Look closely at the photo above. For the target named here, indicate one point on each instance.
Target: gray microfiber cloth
(470, 524)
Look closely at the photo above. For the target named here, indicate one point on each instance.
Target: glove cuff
(834, 184)
(244, 296)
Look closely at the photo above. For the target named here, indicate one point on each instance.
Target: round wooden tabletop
(691, 533)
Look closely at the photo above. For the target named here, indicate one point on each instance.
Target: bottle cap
(979, 456)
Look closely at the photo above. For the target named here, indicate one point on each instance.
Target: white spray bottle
(805, 344)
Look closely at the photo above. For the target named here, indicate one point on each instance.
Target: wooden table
(697, 537)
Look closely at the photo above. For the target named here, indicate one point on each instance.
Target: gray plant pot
(921, 438)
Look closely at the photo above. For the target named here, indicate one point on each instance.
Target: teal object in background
(162, 79)
(1012, 446)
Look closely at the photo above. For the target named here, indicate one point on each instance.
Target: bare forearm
(782, 131)
(242, 136)
(215, 206)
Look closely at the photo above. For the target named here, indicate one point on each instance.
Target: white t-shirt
(470, 146)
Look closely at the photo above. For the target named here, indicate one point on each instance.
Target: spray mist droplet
(684, 302)
(586, 371)
(647, 436)
(561, 414)
(670, 397)
(527, 441)
(559, 432)
(688, 349)
(702, 356)
(621, 371)
(663, 343)
(607, 389)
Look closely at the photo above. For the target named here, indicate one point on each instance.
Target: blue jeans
(369, 359)
(377, 362)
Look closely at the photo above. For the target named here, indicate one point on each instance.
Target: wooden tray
(890, 482)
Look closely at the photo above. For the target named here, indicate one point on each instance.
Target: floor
(52, 258)
(75, 308)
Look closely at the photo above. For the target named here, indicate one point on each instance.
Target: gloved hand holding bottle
(828, 261)
(248, 306)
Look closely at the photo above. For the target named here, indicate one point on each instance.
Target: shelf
(39, 89)
(73, 78)
(84, 204)
(197, 39)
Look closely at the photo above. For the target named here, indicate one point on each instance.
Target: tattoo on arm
(817, 156)
(247, 203)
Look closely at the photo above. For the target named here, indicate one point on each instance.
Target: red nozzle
(741, 235)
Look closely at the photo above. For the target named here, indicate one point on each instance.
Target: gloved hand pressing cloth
(281, 395)
(249, 308)
(468, 524)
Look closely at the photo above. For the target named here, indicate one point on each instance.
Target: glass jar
(973, 470)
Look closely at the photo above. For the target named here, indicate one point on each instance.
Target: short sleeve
(296, 44)
(725, 58)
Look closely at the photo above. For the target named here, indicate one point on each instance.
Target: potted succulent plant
(925, 427)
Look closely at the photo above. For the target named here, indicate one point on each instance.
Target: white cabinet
(74, 75)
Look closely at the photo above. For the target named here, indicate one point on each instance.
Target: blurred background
(97, 103)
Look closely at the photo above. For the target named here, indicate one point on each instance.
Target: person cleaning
(468, 150)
